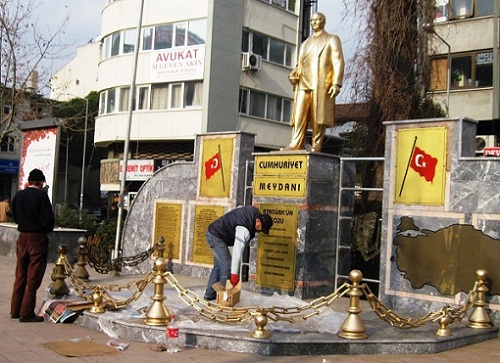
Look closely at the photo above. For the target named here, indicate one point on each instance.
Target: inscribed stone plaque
(167, 223)
(276, 251)
(203, 216)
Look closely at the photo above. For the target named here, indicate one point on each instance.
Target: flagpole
(221, 170)
(127, 138)
(408, 166)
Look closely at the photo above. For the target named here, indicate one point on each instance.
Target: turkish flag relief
(212, 165)
(424, 164)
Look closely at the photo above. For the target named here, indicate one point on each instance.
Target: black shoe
(14, 316)
(31, 319)
(210, 298)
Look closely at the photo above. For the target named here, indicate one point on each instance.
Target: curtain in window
(159, 97)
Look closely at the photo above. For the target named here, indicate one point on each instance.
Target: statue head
(318, 21)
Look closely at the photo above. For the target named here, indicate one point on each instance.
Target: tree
(389, 70)
(22, 48)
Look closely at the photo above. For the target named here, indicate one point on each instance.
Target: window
(257, 104)
(142, 99)
(6, 109)
(163, 36)
(193, 93)
(159, 96)
(264, 105)
(176, 99)
(7, 144)
(147, 38)
(180, 34)
(460, 9)
(129, 41)
(284, 4)
(115, 44)
(271, 49)
(124, 96)
(470, 70)
(197, 32)
(111, 101)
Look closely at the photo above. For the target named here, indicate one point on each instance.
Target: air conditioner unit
(251, 62)
(483, 141)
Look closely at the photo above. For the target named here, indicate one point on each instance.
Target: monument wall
(441, 220)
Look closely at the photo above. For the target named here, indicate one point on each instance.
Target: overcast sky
(85, 23)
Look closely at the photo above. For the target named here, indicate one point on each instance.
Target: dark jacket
(32, 211)
(225, 227)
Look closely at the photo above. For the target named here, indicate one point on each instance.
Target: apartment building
(201, 66)
(464, 59)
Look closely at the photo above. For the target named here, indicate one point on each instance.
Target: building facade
(464, 60)
(201, 66)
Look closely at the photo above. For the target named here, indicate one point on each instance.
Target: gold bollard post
(80, 270)
(444, 330)
(97, 299)
(161, 247)
(479, 319)
(59, 286)
(260, 322)
(157, 313)
(353, 327)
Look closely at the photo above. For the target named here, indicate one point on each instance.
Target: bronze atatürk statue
(317, 79)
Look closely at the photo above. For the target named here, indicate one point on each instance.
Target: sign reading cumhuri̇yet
(178, 64)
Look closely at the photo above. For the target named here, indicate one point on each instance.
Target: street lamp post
(82, 183)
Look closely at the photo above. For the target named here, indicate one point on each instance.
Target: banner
(40, 152)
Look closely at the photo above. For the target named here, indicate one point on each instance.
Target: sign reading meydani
(216, 167)
(276, 251)
(280, 175)
(421, 166)
(168, 224)
(203, 216)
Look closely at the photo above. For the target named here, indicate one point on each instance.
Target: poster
(39, 151)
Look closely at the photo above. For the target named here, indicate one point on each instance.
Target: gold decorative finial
(479, 319)
(80, 270)
(261, 322)
(157, 313)
(353, 327)
(97, 299)
(59, 286)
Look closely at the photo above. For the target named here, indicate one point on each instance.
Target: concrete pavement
(21, 342)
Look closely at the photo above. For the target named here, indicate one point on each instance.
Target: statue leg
(317, 137)
(300, 117)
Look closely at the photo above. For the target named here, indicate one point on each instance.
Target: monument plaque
(203, 216)
(276, 251)
(167, 223)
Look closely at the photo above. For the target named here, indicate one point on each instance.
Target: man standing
(4, 210)
(317, 79)
(35, 218)
(235, 228)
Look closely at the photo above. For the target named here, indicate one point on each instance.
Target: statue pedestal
(300, 191)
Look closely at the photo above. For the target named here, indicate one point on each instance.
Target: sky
(85, 23)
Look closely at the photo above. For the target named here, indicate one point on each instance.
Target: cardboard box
(228, 296)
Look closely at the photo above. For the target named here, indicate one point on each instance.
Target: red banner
(212, 165)
(424, 164)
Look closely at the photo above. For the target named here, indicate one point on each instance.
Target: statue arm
(337, 65)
